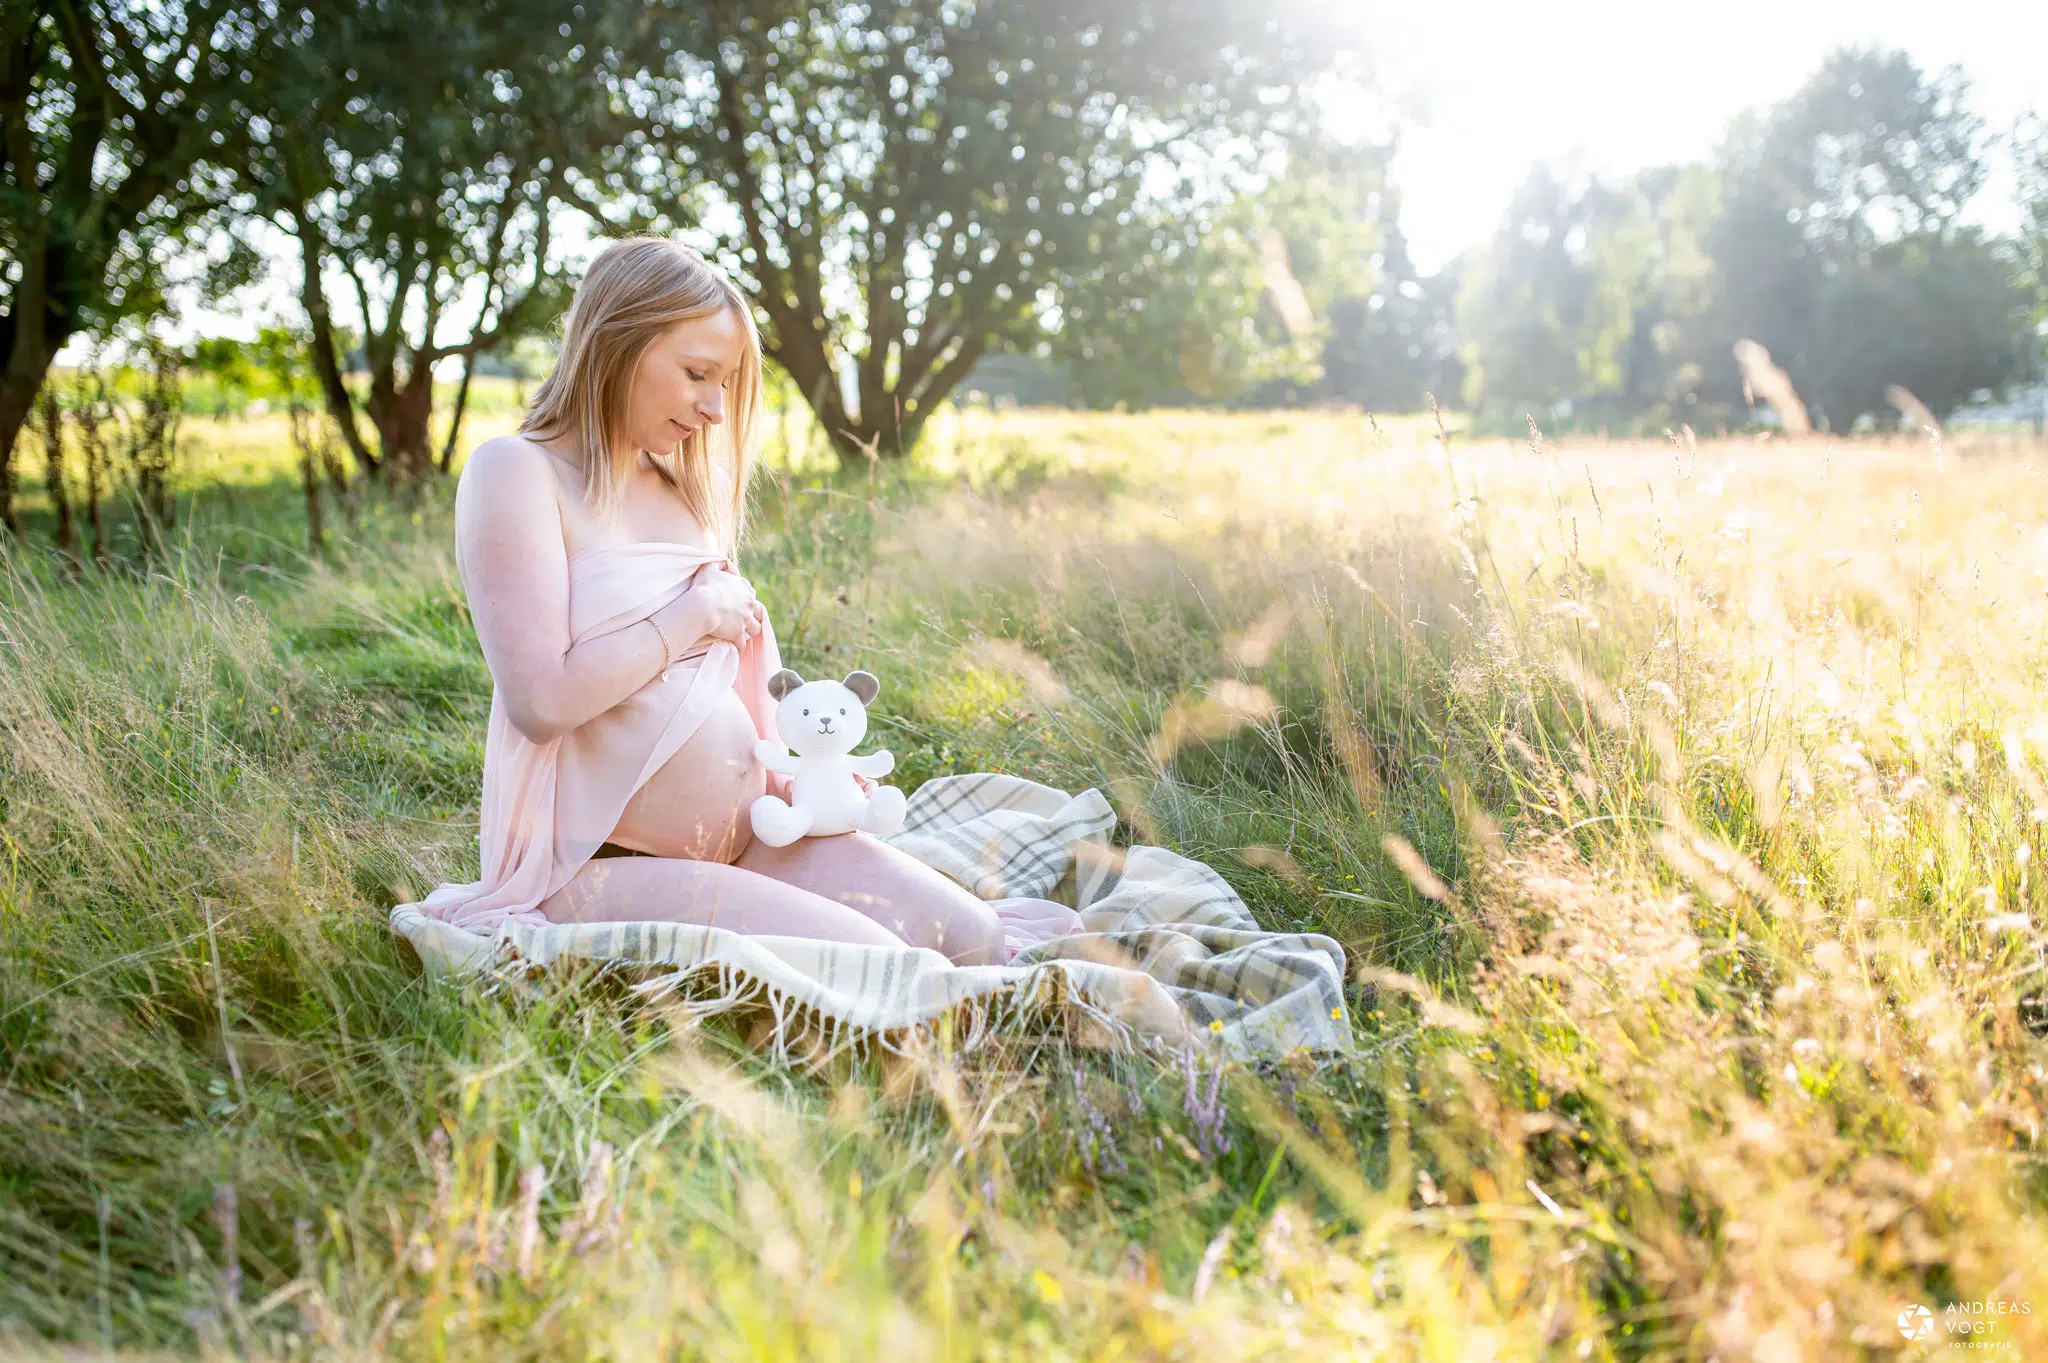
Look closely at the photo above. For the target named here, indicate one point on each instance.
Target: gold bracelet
(665, 650)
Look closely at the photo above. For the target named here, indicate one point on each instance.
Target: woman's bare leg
(904, 895)
(672, 889)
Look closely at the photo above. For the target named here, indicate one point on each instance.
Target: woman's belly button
(697, 803)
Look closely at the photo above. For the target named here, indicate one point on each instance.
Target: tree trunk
(304, 440)
(30, 335)
(881, 428)
(52, 415)
(153, 452)
(403, 417)
(886, 430)
(95, 480)
(16, 400)
(341, 404)
(316, 533)
(892, 419)
(812, 371)
(461, 405)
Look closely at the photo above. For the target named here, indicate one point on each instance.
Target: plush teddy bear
(823, 721)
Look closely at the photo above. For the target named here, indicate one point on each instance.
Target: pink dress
(548, 806)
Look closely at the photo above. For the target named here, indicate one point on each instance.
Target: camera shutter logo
(1916, 1322)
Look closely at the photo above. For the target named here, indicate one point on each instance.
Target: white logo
(1916, 1322)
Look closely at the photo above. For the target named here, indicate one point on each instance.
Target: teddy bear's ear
(784, 682)
(863, 684)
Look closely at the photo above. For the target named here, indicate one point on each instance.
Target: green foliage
(1234, 302)
(1826, 229)
(431, 186)
(1809, 251)
(1393, 345)
(1935, 312)
(1531, 306)
(904, 185)
(116, 117)
(1585, 294)
(2030, 163)
(225, 375)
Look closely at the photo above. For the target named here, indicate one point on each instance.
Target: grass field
(1677, 807)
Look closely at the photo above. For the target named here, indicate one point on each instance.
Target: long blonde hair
(636, 289)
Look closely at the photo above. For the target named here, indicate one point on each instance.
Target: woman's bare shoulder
(507, 493)
(502, 455)
(508, 470)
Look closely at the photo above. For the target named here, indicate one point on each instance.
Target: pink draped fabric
(548, 806)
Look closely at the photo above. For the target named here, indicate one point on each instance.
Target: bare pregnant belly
(696, 803)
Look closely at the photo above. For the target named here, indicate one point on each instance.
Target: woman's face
(682, 380)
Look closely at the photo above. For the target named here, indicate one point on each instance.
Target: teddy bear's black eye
(842, 709)
(807, 712)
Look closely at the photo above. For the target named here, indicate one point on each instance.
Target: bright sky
(1492, 87)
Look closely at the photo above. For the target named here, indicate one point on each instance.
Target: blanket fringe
(1047, 995)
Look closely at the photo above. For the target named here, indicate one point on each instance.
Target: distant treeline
(1827, 229)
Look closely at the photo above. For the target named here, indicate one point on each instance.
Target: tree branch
(341, 404)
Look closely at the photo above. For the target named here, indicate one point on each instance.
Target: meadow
(1676, 803)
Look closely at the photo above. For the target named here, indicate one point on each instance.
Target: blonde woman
(630, 657)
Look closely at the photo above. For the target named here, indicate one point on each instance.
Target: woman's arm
(508, 547)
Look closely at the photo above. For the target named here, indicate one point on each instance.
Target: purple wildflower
(1099, 1141)
(1206, 1111)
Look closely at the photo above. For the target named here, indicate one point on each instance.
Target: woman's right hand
(721, 605)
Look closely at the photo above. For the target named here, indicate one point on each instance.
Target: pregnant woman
(629, 657)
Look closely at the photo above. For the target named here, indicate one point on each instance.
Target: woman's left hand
(867, 783)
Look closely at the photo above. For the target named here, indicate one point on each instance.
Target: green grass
(1678, 814)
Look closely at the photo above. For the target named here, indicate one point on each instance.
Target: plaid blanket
(1169, 953)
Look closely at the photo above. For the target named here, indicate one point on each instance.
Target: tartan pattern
(1169, 950)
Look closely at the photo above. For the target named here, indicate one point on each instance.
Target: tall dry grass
(1677, 803)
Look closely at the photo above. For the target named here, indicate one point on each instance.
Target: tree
(1231, 302)
(1320, 228)
(1827, 231)
(1588, 292)
(429, 190)
(1395, 344)
(1180, 323)
(2030, 164)
(1528, 304)
(1832, 202)
(903, 183)
(1652, 281)
(112, 113)
(1870, 149)
(2030, 145)
(1935, 312)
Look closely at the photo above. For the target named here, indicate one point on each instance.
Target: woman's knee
(914, 901)
(947, 918)
(972, 934)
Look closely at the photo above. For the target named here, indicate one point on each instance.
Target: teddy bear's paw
(884, 815)
(765, 750)
(777, 823)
